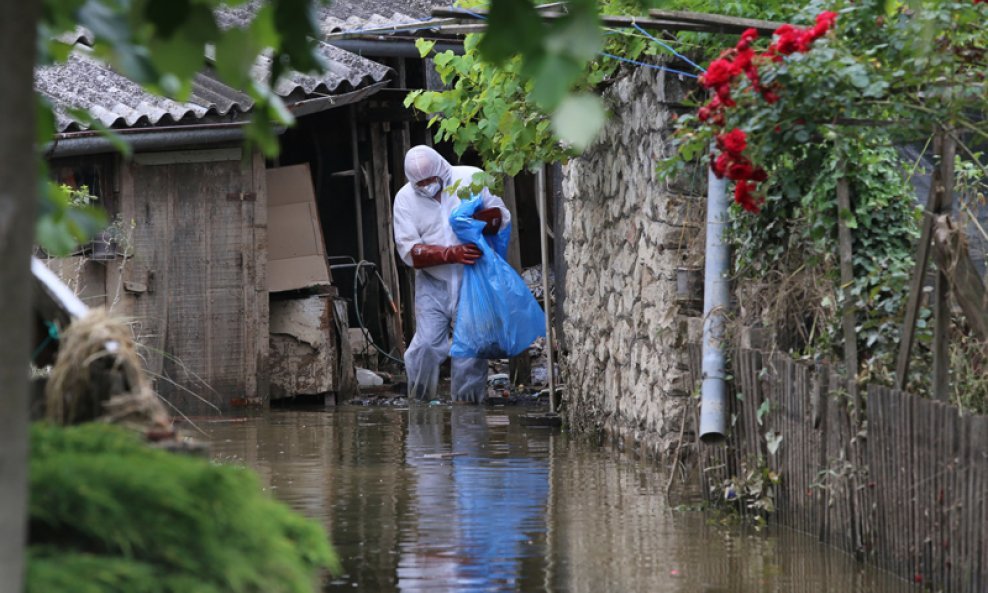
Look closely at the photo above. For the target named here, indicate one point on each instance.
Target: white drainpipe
(713, 393)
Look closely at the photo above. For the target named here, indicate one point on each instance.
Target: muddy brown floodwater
(465, 499)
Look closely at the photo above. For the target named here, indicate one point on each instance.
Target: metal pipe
(544, 240)
(713, 393)
(391, 49)
(82, 145)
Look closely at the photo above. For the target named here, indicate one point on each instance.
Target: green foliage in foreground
(109, 514)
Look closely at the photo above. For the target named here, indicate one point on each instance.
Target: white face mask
(429, 190)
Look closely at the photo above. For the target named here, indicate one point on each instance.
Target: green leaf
(578, 119)
(577, 35)
(762, 410)
(773, 440)
(296, 21)
(236, 52)
(167, 16)
(424, 46)
(553, 78)
(45, 126)
(514, 27)
(84, 117)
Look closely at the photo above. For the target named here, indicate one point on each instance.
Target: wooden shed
(188, 260)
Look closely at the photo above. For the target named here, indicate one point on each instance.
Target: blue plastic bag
(497, 316)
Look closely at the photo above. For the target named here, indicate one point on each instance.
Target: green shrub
(109, 513)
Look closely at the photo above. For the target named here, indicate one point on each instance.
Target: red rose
(750, 35)
(703, 113)
(744, 197)
(769, 96)
(740, 170)
(759, 175)
(785, 29)
(827, 18)
(724, 93)
(742, 61)
(718, 120)
(752, 73)
(790, 43)
(720, 164)
(733, 142)
(720, 72)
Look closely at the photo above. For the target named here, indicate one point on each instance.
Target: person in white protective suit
(426, 242)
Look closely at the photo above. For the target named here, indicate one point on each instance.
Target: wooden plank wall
(908, 494)
(203, 319)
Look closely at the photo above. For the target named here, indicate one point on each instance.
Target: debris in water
(441, 455)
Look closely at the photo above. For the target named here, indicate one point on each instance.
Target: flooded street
(466, 499)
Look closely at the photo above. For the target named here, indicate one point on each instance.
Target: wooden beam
(355, 161)
(845, 244)
(614, 21)
(908, 334)
(727, 24)
(385, 238)
(953, 257)
(519, 367)
(941, 300)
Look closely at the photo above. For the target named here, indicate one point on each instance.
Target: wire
(669, 47)
(51, 337)
(652, 66)
(360, 319)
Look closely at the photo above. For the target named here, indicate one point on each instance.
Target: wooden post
(355, 150)
(385, 239)
(908, 333)
(847, 279)
(519, 367)
(953, 257)
(941, 303)
(404, 276)
(544, 240)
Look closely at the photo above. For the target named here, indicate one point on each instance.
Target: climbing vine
(840, 93)
(516, 116)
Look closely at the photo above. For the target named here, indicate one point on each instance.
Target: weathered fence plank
(910, 495)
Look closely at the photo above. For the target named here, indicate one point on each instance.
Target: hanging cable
(652, 66)
(356, 308)
(668, 47)
(51, 337)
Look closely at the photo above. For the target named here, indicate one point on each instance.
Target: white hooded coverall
(424, 220)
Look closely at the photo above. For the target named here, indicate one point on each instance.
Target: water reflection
(479, 499)
(465, 499)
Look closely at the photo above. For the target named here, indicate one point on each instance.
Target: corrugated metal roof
(345, 71)
(82, 82)
(365, 9)
(332, 24)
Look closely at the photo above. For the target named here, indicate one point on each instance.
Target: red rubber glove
(492, 216)
(426, 256)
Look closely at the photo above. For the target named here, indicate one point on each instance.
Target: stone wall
(625, 233)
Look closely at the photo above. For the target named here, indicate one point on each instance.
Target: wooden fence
(906, 493)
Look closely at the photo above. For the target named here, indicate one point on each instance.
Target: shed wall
(195, 284)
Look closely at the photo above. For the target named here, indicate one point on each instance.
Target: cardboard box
(296, 251)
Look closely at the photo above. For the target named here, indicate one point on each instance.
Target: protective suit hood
(422, 162)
